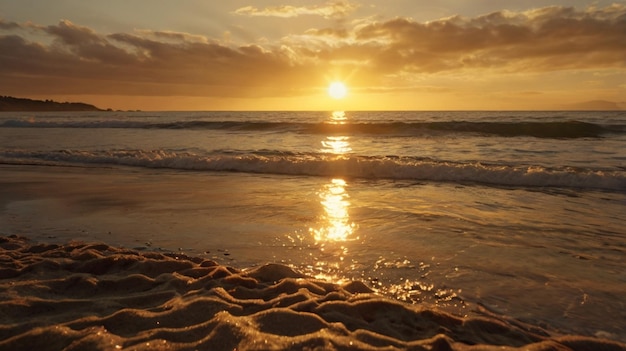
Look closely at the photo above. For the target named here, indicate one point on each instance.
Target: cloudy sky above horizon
(282, 55)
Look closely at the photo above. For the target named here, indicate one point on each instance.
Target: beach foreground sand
(79, 296)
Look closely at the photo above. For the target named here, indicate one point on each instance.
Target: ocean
(518, 213)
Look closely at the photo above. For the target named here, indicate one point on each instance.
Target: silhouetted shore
(9, 103)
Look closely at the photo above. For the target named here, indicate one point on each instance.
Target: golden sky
(282, 55)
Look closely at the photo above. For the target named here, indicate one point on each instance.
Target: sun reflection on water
(337, 253)
(337, 226)
(337, 145)
(333, 196)
(338, 117)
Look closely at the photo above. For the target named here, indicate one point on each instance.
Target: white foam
(353, 167)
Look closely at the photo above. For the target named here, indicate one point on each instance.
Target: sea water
(519, 212)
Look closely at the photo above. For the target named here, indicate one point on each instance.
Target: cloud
(173, 36)
(82, 61)
(331, 9)
(86, 44)
(8, 25)
(552, 38)
(68, 58)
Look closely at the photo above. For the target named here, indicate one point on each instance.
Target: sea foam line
(388, 167)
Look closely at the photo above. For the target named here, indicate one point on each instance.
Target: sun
(337, 90)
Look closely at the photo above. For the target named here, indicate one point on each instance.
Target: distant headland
(9, 103)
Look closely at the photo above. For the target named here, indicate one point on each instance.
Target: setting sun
(337, 90)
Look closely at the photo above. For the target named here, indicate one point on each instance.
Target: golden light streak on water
(338, 117)
(337, 145)
(337, 226)
(333, 196)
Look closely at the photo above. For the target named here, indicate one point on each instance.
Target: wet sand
(92, 296)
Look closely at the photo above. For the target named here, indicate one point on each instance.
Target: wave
(551, 129)
(367, 167)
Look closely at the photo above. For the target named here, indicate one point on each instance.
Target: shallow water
(518, 252)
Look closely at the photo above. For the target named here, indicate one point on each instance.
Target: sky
(283, 55)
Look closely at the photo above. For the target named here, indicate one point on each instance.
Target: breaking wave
(550, 129)
(313, 164)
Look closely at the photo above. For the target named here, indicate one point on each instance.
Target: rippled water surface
(519, 212)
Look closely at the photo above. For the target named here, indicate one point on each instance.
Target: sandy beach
(92, 296)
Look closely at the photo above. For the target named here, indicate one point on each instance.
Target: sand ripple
(81, 296)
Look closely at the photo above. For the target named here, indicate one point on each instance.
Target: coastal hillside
(596, 105)
(9, 103)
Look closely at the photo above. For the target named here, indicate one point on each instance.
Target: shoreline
(94, 296)
(243, 220)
